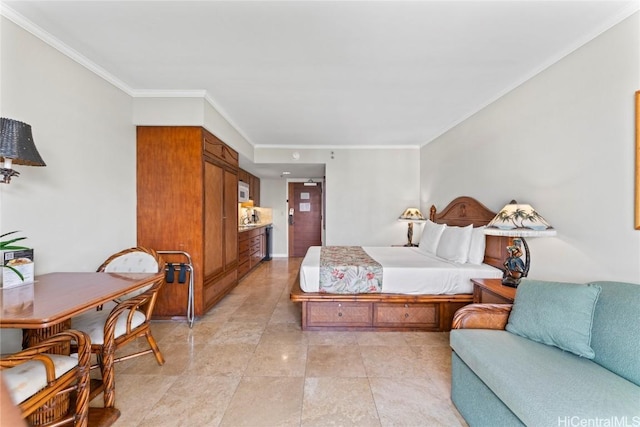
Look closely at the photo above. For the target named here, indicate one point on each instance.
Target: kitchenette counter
(253, 246)
(247, 227)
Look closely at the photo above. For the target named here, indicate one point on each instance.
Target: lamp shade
(519, 220)
(412, 214)
(16, 143)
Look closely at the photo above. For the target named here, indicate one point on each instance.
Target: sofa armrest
(482, 316)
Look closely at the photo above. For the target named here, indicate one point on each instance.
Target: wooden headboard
(463, 211)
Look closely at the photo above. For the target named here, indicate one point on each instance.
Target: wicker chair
(130, 317)
(43, 385)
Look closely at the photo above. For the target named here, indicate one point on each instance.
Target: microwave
(243, 192)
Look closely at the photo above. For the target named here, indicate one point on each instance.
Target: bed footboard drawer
(338, 314)
(425, 316)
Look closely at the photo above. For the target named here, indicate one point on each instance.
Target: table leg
(108, 370)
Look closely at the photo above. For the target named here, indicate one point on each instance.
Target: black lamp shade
(16, 143)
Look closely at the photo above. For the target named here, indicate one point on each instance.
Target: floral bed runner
(349, 270)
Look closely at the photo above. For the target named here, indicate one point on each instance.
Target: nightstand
(492, 291)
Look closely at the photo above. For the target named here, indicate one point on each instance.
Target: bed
(413, 301)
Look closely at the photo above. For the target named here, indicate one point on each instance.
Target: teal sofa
(562, 355)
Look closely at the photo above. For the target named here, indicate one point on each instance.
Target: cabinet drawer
(243, 245)
(255, 240)
(256, 257)
(214, 291)
(418, 315)
(244, 268)
(339, 314)
(254, 248)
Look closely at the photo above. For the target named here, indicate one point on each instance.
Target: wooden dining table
(46, 307)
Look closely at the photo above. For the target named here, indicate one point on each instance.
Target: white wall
(273, 194)
(563, 142)
(81, 207)
(366, 191)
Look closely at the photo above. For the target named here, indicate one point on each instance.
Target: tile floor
(247, 363)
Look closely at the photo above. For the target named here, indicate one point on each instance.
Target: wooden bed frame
(399, 312)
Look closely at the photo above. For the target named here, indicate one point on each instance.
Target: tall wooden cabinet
(187, 187)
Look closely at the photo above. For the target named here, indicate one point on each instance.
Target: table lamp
(16, 147)
(411, 215)
(519, 221)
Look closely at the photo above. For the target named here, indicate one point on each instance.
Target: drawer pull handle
(339, 304)
(339, 314)
(406, 306)
(406, 315)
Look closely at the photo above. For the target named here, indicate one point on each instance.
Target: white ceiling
(323, 73)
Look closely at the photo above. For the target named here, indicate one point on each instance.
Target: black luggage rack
(182, 268)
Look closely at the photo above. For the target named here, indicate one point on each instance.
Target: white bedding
(407, 270)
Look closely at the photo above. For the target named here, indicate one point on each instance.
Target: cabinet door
(255, 190)
(230, 224)
(213, 219)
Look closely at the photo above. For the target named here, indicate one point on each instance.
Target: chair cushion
(133, 262)
(557, 314)
(93, 322)
(27, 379)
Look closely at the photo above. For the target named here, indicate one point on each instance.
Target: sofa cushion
(615, 336)
(555, 313)
(541, 384)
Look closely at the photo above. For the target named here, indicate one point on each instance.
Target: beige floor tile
(427, 338)
(221, 360)
(392, 339)
(338, 402)
(137, 394)
(404, 401)
(193, 401)
(334, 361)
(238, 333)
(265, 402)
(285, 313)
(200, 333)
(283, 333)
(177, 358)
(437, 363)
(387, 362)
(331, 338)
(278, 360)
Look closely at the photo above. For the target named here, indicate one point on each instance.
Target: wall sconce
(411, 215)
(16, 147)
(520, 221)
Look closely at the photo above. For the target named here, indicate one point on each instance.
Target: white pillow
(454, 243)
(477, 246)
(430, 238)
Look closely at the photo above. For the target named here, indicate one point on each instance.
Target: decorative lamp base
(409, 234)
(510, 281)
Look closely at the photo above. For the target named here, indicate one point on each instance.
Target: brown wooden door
(230, 224)
(305, 223)
(213, 219)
